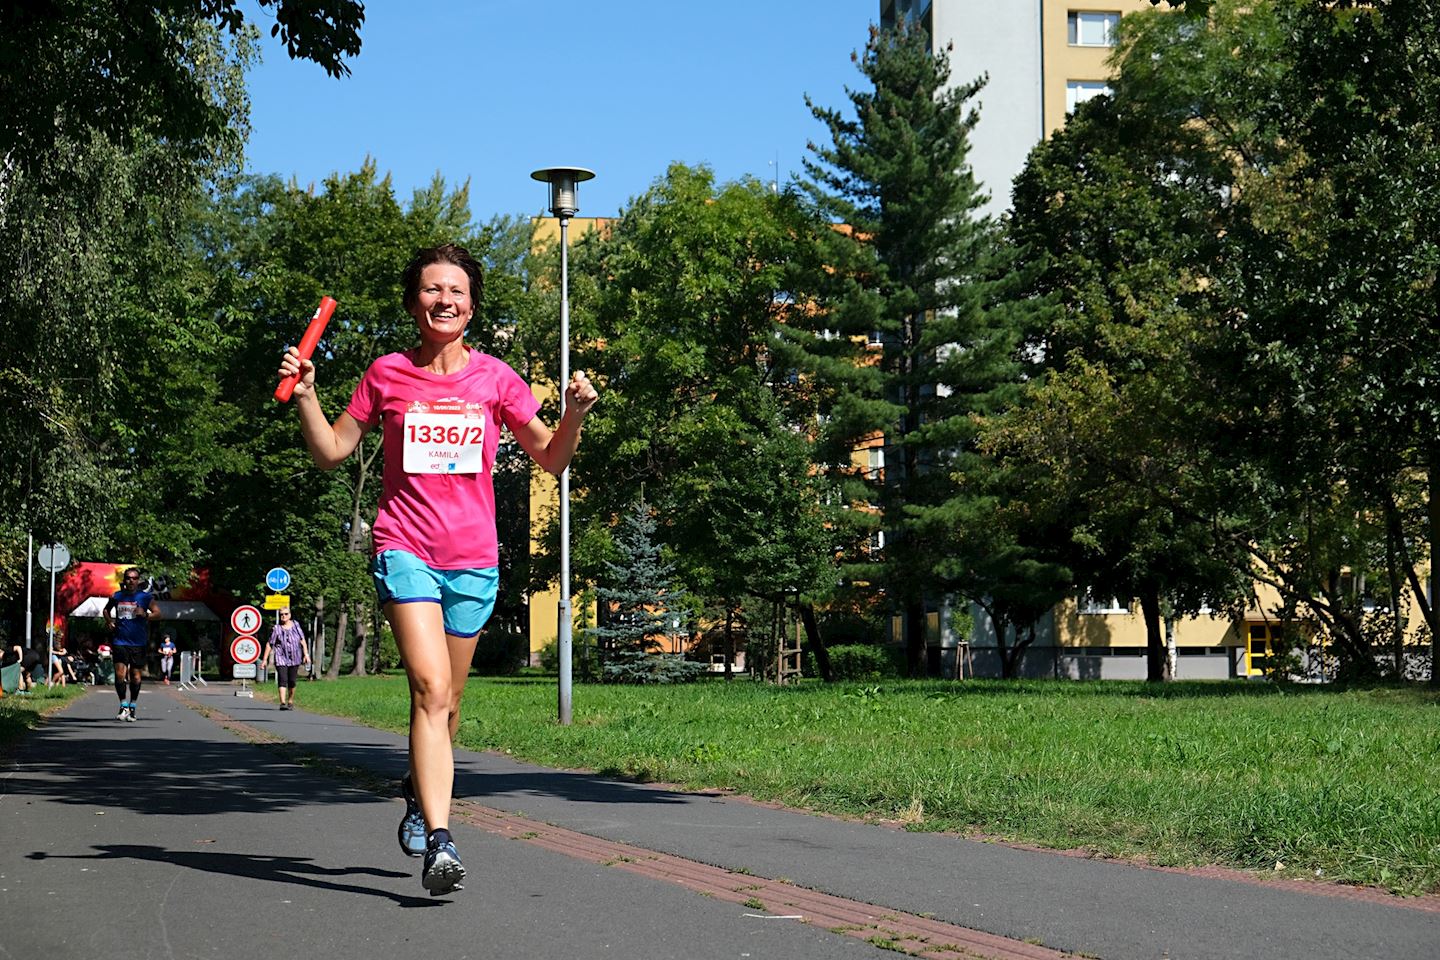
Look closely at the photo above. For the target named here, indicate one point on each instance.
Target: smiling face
(442, 307)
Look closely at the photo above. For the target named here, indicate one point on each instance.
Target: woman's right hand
(291, 364)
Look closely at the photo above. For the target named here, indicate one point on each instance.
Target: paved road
(223, 827)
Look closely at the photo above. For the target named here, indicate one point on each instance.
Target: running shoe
(130, 714)
(124, 713)
(443, 870)
(412, 826)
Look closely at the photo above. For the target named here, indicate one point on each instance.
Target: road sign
(277, 579)
(53, 557)
(245, 649)
(243, 671)
(245, 619)
(277, 601)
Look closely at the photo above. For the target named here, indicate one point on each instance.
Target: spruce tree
(641, 608)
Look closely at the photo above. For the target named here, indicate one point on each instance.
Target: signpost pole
(53, 557)
(29, 590)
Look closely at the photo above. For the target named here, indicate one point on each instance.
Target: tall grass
(1340, 784)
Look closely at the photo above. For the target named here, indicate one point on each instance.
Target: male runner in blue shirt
(128, 614)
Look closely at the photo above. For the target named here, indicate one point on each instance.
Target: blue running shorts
(466, 597)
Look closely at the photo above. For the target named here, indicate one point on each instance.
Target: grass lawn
(1341, 784)
(19, 714)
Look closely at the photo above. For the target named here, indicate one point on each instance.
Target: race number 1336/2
(444, 443)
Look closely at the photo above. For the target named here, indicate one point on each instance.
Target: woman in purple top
(287, 651)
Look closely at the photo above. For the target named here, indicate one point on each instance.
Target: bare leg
(436, 665)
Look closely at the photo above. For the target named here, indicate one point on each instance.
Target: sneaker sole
(444, 877)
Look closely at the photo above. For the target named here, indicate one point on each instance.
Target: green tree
(642, 609)
(1328, 219)
(928, 275)
(1368, 251)
(115, 120)
(677, 309)
(135, 70)
(1122, 227)
(100, 319)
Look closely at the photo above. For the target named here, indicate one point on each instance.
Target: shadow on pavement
(274, 869)
(80, 761)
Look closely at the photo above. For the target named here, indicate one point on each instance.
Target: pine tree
(921, 267)
(643, 608)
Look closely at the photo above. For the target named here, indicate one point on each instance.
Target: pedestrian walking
(167, 657)
(286, 651)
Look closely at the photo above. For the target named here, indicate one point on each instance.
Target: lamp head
(563, 182)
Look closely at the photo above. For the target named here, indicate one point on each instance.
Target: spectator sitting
(28, 660)
(61, 670)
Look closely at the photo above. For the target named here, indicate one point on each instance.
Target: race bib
(444, 437)
(125, 610)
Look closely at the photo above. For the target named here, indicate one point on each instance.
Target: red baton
(307, 345)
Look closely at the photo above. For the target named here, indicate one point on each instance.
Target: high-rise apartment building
(1042, 57)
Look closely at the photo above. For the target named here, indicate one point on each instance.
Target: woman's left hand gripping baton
(307, 346)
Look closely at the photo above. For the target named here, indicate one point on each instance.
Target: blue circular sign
(277, 579)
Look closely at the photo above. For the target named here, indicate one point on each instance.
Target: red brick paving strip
(913, 934)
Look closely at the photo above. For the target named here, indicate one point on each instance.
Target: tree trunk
(817, 642)
(332, 672)
(1154, 636)
(1397, 616)
(362, 634)
(1432, 484)
(375, 648)
(1170, 653)
(729, 642)
(915, 638)
(1011, 658)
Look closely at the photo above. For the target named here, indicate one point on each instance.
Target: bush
(500, 653)
(386, 655)
(855, 661)
(549, 656)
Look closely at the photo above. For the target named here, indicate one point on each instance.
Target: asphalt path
(221, 826)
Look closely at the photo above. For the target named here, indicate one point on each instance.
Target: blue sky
(490, 91)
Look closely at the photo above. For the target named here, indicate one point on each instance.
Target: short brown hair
(445, 253)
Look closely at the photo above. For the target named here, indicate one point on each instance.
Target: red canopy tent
(85, 588)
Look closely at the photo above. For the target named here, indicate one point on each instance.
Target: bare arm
(329, 444)
(553, 451)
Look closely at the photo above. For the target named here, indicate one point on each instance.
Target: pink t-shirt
(440, 435)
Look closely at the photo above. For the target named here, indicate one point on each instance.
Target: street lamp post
(563, 184)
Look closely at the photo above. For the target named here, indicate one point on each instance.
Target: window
(1090, 605)
(1078, 91)
(875, 460)
(1088, 28)
(875, 338)
(877, 541)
